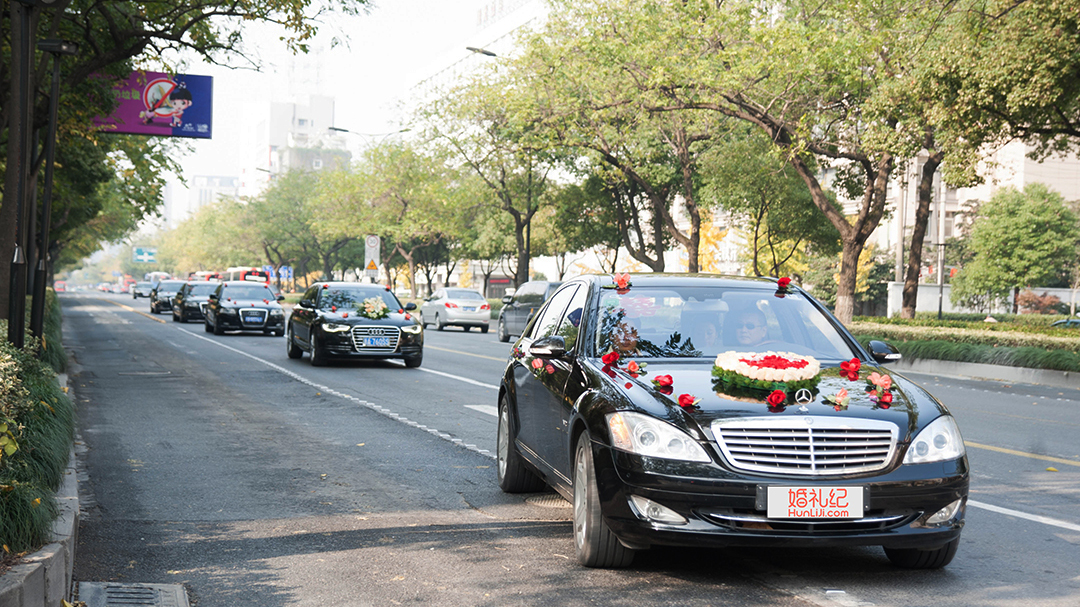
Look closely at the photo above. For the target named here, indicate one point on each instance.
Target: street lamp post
(367, 136)
(56, 48)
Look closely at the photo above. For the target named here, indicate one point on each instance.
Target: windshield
(248, 292)
(202, 288)
(340, 299)
(170, 286)
(691, 322)
(463, 294)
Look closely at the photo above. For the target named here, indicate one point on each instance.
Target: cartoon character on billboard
(165, 98)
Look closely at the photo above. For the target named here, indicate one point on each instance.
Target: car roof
(657, 279)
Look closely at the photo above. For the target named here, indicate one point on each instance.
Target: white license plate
(376, 342)
(473, 309)
(815, 502)
(252, 317)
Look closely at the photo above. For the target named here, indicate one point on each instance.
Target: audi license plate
(252, 317)
(815, 502)
(376, 342)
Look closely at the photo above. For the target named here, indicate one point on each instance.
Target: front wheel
(913, 558)
(218, 329)
(413, 362)
(318, 359)
(596, 545)
(439, 323)
(503, 335)
(483, 329)
(207, 327)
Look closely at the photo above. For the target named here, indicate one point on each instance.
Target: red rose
(665, 390)
(550, 369)
(662, 380)
(345, 315)
(537, 363)
(607, 371)
(688, 400)
(885, 398)
(783, 282)
(333, 308)
(776, 399)
(610, 358)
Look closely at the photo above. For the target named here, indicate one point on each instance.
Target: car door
(566, 384)
(303, 316)
(540, 385)
(213, 305)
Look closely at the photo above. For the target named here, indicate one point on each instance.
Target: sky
(385, 52)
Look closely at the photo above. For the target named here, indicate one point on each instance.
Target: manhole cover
(549, 500)
(109, 594)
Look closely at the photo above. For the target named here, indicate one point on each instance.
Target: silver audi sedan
(464, 308)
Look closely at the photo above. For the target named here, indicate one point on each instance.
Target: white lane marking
(464, 379)
(491, 410)
(1024, 515)
(328, 390)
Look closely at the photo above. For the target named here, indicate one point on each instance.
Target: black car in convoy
(519, 308)
(774, 428)
(239, 305)
(191, 300)
(357, 320)
(162, 293)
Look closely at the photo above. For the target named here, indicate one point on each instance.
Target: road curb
(1025, 375)
(43, 578)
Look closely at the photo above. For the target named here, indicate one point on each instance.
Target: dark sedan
(162, 293)
(244, 306)
(191, 300)
(355, 320)
(717, 411)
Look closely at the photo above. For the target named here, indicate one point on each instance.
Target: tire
(466, 328)
(503, 335)
(423, 323)
(514, 476)
(279, 332)
(913, 558)
(291, 349)
(218, 330)
(318, 359)
(153, 309)
(438, 323)
(174, 318)
(484, 329)
(596, 545)
(413, 362)
(207, 327)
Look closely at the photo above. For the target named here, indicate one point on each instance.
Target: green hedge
(1035, 358)
(41, 419)
(1057, 339)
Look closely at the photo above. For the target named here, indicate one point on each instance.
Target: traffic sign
(371, 255)
(144, 254)
(286, 272)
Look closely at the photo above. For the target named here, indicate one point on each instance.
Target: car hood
(395, 319)
(912, 407)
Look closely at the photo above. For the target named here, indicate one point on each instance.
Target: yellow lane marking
(1058, 460)
(130, 309)
(427, 347)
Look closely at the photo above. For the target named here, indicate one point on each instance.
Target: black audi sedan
(191, 300)
(238, 305)
(355, 320)
(162, 293)
(696, 410)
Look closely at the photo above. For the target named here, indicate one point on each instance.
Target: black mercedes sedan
(355, 320)
(238, 305)
(191, 300)
(696, 410)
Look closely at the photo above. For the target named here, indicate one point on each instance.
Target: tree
(1018, 241)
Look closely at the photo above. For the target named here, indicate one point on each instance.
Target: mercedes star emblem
(804, 396)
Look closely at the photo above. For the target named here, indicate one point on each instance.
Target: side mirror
(553, 346)
(410, 306)
(280, 298)
(883, 352)
(507, 299)
(306, 303)
(212, 297)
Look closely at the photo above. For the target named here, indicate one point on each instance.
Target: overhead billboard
(165, 105)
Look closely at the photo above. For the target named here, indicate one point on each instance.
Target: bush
(42, 422)
(1036, 358)
(986, 335)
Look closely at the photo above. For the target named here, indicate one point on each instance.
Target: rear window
(464, 294)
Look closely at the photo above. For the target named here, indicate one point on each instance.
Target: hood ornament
(803, 396)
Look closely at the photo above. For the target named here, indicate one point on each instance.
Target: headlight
(277, 313)
(333, 327)
(414, 329)
(938, 442)
(227, 311)
(191, 304)
(648, 436)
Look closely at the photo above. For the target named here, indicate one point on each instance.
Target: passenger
(705, 336)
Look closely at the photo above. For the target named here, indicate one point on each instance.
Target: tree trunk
(918, 235)
(845, 285)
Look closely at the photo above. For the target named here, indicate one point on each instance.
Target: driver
(750, 328)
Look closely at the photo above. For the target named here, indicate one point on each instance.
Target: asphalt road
(218, 463)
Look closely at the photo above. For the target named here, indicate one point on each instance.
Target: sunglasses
(749, 326)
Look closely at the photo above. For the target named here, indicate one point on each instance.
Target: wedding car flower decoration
(782, 287)
(688, 401)
(878, 389)
(850, 369)
(663, 384)
(767, 370)
(776, 399)
(374, 308)
(622, 283)
(839, 401)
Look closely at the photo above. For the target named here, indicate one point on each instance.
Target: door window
(548, 322)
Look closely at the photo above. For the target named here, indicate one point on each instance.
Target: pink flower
(776, 398)
(622, 281)
(537, 363)
(882, 381)
(783, 282)
(633, 367)
(842, 394)
(610, 358)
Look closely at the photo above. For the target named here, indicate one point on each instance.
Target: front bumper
(723, 508)
(233, 322)
(461, 318)
(344, 344)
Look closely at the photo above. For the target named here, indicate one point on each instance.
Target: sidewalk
(1022, 375)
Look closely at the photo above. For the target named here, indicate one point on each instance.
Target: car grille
(806, 445)
(754, 522)
(253, 317)
(391, 334)
(202, 308)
